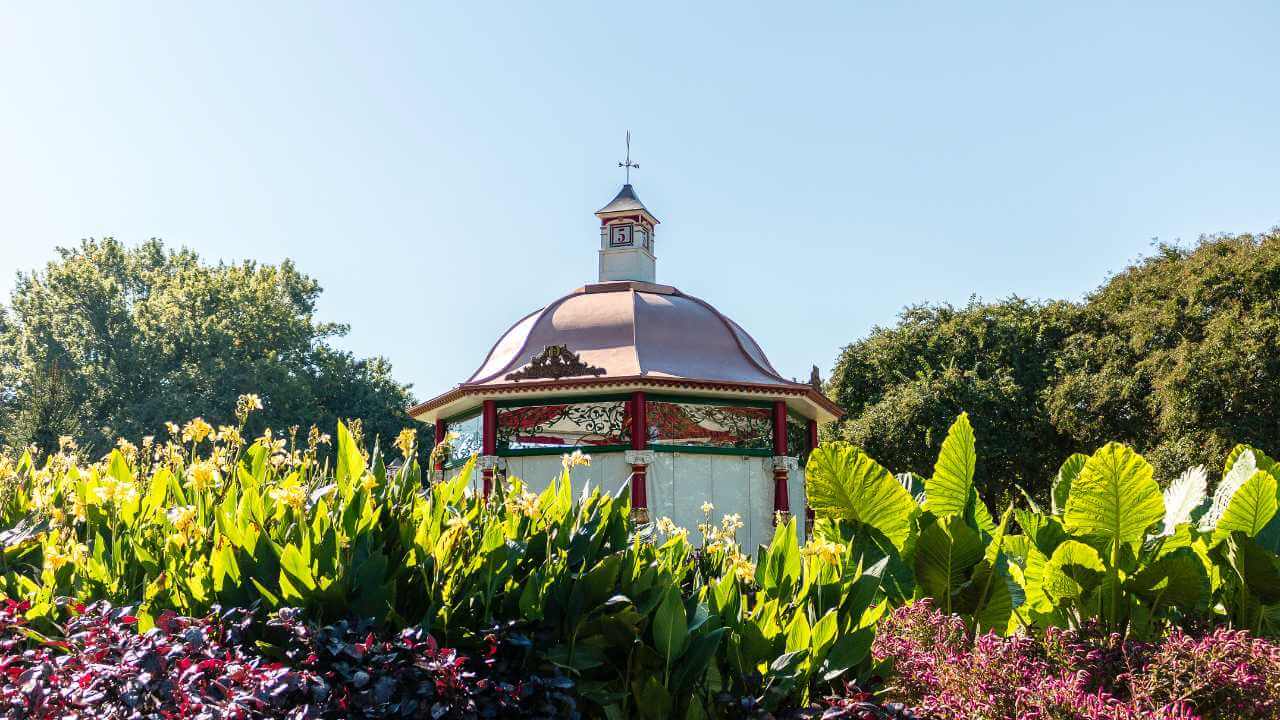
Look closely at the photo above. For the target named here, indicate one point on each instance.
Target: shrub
(941, 670)
(208, 668)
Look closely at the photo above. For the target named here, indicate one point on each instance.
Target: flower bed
(940, 670)
(210, 668)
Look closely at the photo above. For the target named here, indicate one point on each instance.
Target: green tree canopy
(902, 387)
(1177, 355)
(112, 341)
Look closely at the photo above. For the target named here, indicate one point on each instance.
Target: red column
(781, 501)
(811, 429)
(489, 441)
(639, 421)
(639, 471)
(441, 429)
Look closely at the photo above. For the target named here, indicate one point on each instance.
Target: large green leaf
(1258, 569)
(1243, 465)
(950, 490)
(844, 482)
(670, 629)
(701, 651)
(847, 653)
(1114, 497)
(946, 553)
(1062, 482)
(779, 572)
(350, 461)
(1176, 578)
(1073, 571)
(988, 597)
(1250, 508)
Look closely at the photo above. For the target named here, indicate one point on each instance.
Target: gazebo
(661, 390)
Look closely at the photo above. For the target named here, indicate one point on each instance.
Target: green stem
(1115, 583)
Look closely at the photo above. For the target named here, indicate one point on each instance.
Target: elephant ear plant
(1112, 547)
(1117, 550)
(942, 544)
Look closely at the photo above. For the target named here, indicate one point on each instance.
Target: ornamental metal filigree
(553, 363)
(798, 439)
(568, 425)
(710, 425)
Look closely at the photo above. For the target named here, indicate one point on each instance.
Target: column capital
(639, 457)
(785, 462)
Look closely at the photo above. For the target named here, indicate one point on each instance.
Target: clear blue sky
(816, 167)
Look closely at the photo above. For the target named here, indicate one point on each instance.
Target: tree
(902, 387)
(1177, 355)
(109, 341)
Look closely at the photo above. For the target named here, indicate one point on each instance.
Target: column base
(488, 466)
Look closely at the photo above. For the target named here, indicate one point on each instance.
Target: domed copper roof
(632, 334)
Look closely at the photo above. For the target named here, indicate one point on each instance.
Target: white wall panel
(660, 486)
(678, 484)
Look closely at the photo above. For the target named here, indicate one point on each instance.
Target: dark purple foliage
(100, 666)
(410, 676)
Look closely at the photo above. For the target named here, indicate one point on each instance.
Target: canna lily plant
(644, 622)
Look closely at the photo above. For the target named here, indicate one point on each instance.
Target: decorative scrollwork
(553, 363)
(710, 425)
(567, 425)
(798, 439)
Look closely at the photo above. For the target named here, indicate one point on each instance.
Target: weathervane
(628, 164)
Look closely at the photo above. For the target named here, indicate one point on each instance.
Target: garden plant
(299, 576)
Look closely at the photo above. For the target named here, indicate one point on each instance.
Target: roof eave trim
(788, 390)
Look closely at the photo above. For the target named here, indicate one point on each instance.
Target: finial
(628, 164)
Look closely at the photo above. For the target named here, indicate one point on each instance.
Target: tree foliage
(1178, 356)
(901, 387)
(112, 341)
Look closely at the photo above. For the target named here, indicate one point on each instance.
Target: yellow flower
(316, 438)
(203, 476)
(172, 427)
(55, 559)
(574, 459)
(66, 442)
(707, 507)
(230, 436)
(526, 503)
(742, 568)
(182, 517)
(825, 550)
(731, 523)
(117, 492)
(196, 431)
(246, 404)
(291, 494)
(405, 441)
(65, 551)
(79, 508)
(368, 482)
